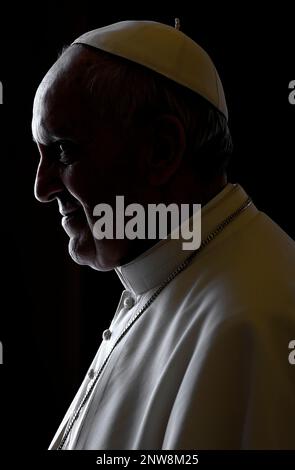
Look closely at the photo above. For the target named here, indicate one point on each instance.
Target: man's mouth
(68, 207)
(73, 220)
(70, 212)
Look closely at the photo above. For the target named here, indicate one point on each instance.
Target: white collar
(152, 267)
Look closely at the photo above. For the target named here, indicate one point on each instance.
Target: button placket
(127, 302)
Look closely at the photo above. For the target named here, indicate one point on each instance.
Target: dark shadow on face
(84, 162)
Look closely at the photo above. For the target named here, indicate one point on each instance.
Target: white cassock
(206, 365)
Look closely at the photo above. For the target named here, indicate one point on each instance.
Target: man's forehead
(60, 99)
(65, 74)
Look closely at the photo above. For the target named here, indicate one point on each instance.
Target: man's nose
(47, 182)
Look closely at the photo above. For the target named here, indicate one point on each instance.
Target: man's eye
(65, 152)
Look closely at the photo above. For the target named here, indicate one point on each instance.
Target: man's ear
(168, 149)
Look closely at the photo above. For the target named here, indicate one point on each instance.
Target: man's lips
(68, 213)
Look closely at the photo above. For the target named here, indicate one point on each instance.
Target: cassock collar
(153, 266)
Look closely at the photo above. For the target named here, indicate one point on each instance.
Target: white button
(106, 335)
(129, 302)
(91, 374)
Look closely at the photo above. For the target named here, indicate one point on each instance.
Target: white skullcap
(165, 50)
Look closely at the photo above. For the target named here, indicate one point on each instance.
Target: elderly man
(196, 355)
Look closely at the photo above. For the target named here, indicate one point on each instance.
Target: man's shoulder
(258, 254)
(250, 273)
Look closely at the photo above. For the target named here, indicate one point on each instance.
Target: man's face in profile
(83, 162)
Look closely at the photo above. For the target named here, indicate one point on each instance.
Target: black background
(52, 311)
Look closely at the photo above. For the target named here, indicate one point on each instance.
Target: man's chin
(84, 252)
